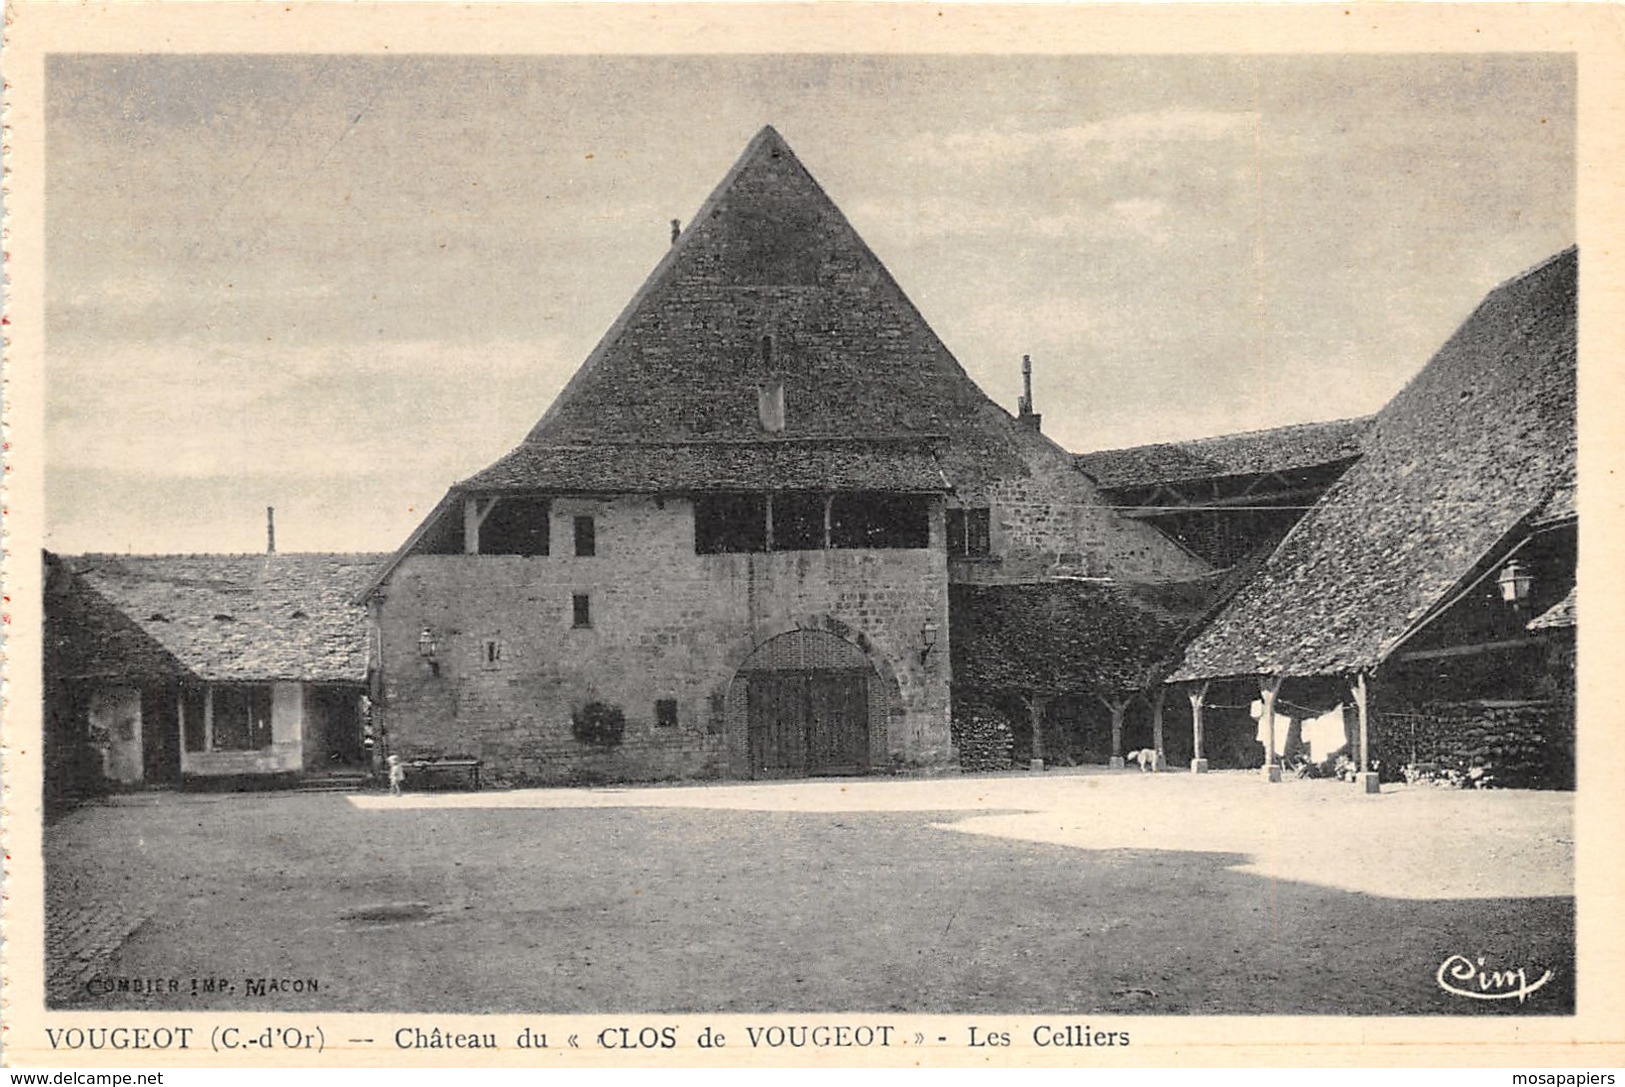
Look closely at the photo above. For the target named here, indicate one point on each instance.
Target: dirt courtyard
(1085, 891)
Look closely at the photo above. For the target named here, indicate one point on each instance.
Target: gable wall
(666, 623)
(1053, 519)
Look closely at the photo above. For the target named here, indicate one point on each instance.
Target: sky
(336, 285)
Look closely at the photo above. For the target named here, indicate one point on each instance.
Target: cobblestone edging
(79, 940)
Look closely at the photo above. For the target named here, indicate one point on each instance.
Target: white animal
(1146, 757)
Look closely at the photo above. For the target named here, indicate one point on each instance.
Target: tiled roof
(242, 617)
(770, 284)
(1451, 468)
(1253, 452)
(1071, 635)
(1559, 615)
(716, 466)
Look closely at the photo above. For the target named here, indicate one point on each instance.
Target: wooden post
(471, 526)
(1197, 694)
(1117, 709)
(474, 515)
(208, 718)
(1268, 688)
(1156, 725)
(829, 502)
(1362, 699)
(180, 725)
(1035, 715)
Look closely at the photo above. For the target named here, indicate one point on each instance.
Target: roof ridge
(767, 134)
(1284, 428)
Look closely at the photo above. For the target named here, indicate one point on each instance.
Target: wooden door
(837, 723)
(778, 724)
(808, 723)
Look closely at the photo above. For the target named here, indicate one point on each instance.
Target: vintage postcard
(887, 535)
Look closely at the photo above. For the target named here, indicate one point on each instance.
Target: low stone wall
(983, 738)
(1497, 744)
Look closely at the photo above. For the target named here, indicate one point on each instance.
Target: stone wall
(666, 623)
(1054, 520)
(983, 737)
(1501, 744)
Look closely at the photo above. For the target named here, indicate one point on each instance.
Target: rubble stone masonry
(665, 624)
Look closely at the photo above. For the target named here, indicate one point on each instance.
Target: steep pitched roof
(1070, 635)
(769, 283)
(1253, 452)
(238, 617)
(1461, 458)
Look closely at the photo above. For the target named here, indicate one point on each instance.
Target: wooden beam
(1358, 690)
(1269, 500)
(1197, 694)
(180, 724)
(1466, 650)
(1117, 709)
(474, 515)
(1268, 688)
(1362, 702)
(1156, 698)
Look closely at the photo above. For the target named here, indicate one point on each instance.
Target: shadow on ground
(693, 910)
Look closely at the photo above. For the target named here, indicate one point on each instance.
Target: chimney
(1025, 413)
(770, 406)
(676, 230)
(270, 530)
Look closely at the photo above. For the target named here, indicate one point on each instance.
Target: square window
(581, 610)
(242, 718)
(666, 712)
(586, 537)
(968, 532)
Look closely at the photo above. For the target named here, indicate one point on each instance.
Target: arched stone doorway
(806, 703)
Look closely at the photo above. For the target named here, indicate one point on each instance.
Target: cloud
(1113, 137)
(183, 410)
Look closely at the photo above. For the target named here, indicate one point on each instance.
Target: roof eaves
(405, 549)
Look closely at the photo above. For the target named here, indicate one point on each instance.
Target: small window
(666, 712)
(491, 652)
(968, 533)
(581, 610)
(586, 537)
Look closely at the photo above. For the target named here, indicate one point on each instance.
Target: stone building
(202, 669)
(726, 548)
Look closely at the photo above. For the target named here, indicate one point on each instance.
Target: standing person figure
(397, 774)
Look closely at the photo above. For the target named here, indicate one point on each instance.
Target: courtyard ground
(1085, 891)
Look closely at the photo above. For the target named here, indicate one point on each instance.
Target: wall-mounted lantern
(928, 639)
(1515, 581)
(429, 650)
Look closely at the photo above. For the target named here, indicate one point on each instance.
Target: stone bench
(468, 767)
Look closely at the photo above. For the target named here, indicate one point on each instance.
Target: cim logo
(1460, 976)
